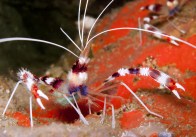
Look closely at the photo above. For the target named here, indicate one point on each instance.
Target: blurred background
(40, 19)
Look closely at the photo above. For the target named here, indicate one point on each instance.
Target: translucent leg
(17, 84)
(173, 25)
(89, 107)
(31, 113)
(113, 115)
(76, 104)
(79, 113)
(104, 112)
(142, 103)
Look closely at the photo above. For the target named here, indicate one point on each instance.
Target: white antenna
(98, 19)
(144, 30)
(36, 40)
(70, 39)
(84, 22)
(79, 8)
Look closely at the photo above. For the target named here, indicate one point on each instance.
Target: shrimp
(75, 87)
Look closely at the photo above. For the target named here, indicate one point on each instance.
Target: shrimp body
(160, 13)
(75, 82)
(75, 85)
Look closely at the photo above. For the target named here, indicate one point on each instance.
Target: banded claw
(176, 92)
(41, 94)
(166, 81)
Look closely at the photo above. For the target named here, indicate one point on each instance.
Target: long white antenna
(11, 96)
(144, 30)
(79, 31)
(70, 39)
(84, 22)
(36, 40)
(98, 19)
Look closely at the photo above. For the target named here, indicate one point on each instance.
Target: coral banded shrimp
(74, 87)
(159, 12)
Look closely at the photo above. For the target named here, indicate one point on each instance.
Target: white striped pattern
(49, 80)
(144, 71)
(123, 71)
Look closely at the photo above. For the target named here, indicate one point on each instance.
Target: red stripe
(34, 90)
(155, 74)
(171, 84)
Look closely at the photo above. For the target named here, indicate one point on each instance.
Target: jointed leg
(89, 107)
(31, 113)
(173, 25)
(101, 89)
(30, 103)
(158, 76)
(78, 111)
(13, 92)
(75, 101)
(104, 112)
(158, 34)
(142, 103)
(30, 81)
(110, 96)
(76, 105)
(112, 107)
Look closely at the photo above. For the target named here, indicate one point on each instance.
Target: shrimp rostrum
(75, 86)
